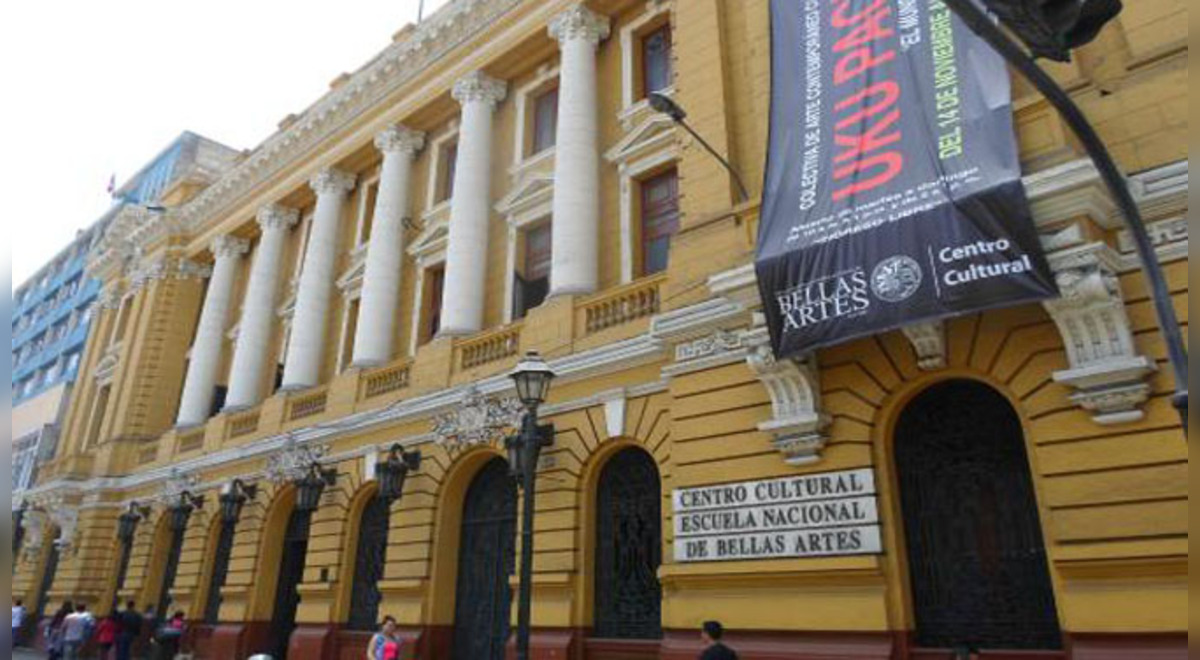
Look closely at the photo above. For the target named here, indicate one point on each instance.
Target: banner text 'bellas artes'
(867, 129)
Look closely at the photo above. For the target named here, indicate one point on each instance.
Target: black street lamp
(311, 486)
(532, 376)
(667, 106)
(232, 501)
(393, 471)
(127, 523)
(181, 512)
(1052, 29)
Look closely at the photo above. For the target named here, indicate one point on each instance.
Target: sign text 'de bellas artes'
(816, 515)
(893, 191)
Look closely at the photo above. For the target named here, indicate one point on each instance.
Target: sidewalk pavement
(26, 654)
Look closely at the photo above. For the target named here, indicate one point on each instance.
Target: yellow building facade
(495, 182)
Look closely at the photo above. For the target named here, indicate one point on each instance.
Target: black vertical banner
(893, 191)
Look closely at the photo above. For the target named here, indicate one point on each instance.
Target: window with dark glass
(435, 284)
(370, 560)
(532, 282)
(368, 213)
(447, 164)
(545, 121)
(656, 60)
(660, 219)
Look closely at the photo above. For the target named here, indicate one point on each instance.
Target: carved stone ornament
(478, 420)
(34, 524)
(796, 421)
(293, 461)
(721, 341)
(1106, 371)
(929, 341)
(579, 22)
(398, 139)
(175, 484)
(277, 217)
(229, 247)
(477, 86)
(330, 181)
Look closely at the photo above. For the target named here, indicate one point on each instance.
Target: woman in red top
(106, 634)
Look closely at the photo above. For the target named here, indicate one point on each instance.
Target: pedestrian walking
(131, 630)
(385, 645)
(106, 634)
(77, 631)
(54, 631)
(168, 637)
(711, 633)
(18, 620)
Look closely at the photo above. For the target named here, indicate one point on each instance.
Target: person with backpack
(106, 634)
(77, 631)
(385, 645)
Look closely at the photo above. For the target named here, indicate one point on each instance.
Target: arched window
(220, 571)
(628, 548)
(977, 559)
(369, 562)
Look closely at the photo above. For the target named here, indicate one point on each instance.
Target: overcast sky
(94, 89)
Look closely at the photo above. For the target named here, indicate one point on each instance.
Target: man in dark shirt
(711, 633)
(131, 630)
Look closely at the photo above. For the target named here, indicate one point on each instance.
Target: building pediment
(652, 134)
(530, 192)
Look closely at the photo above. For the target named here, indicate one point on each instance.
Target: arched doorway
(486, 558)
(369, 562)
(222, 554)
(976, 555)
(291, 573)
(49, 572)
(628, 600)
(178, 527)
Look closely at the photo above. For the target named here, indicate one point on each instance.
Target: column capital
(229, 246)
(330, 181)
(478, 86)
(277, 216)
(399, 139)
(579, 22)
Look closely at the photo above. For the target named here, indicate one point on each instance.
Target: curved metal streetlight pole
(981, 24)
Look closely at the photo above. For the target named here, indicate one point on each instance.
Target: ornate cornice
(579, 22)
(408, 57)
(330, 181)
(477, 86)
(398, 139)
(277, 216)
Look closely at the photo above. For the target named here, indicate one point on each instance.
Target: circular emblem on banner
(896, 279)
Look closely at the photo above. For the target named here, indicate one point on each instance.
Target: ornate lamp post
(393, 471)
(311, 486)
(127, 525)
(232, 501)
(181, 512)
(532, 377)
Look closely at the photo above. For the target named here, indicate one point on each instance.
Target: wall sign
(815, 515)
(893, 192)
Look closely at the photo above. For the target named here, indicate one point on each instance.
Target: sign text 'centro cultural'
(893, 191)
(816, 515)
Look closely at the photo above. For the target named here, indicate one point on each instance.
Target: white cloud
(96, 88)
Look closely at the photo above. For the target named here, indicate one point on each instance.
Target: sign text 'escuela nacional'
(816, 515)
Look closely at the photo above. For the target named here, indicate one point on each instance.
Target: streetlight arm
(1168, 322)
(737, 178)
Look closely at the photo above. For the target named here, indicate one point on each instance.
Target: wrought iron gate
(220, 571)
(629, 548)
(486, 558)
(975, 549)
(368, 565)
(291, 573)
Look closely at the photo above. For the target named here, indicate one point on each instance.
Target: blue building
(53, 310)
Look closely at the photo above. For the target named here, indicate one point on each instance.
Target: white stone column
(305, 351)
(373, 338)
(197, 399)
(576, 210)
(470, 207)
(250, 352)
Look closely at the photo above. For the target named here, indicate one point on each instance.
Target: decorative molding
(1162, 233)
(229, 246)
(34, 524)
(929, 342)
(477, 420)
(176, 483)
(293, 460)
(796, 423)
(277, 216)
(479, 87)
(167, 267)
(579, 22)
(332, 181)
(399, 139)
(1106, 371)
(615, 407)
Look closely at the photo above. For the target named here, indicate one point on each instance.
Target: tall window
(447, 164)
(660, 219)
(368, 565)
(351, 328)
(98, 411)
(532, 283)
(656, 60)
(435, 284)
(367, 222)
(545, 121)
